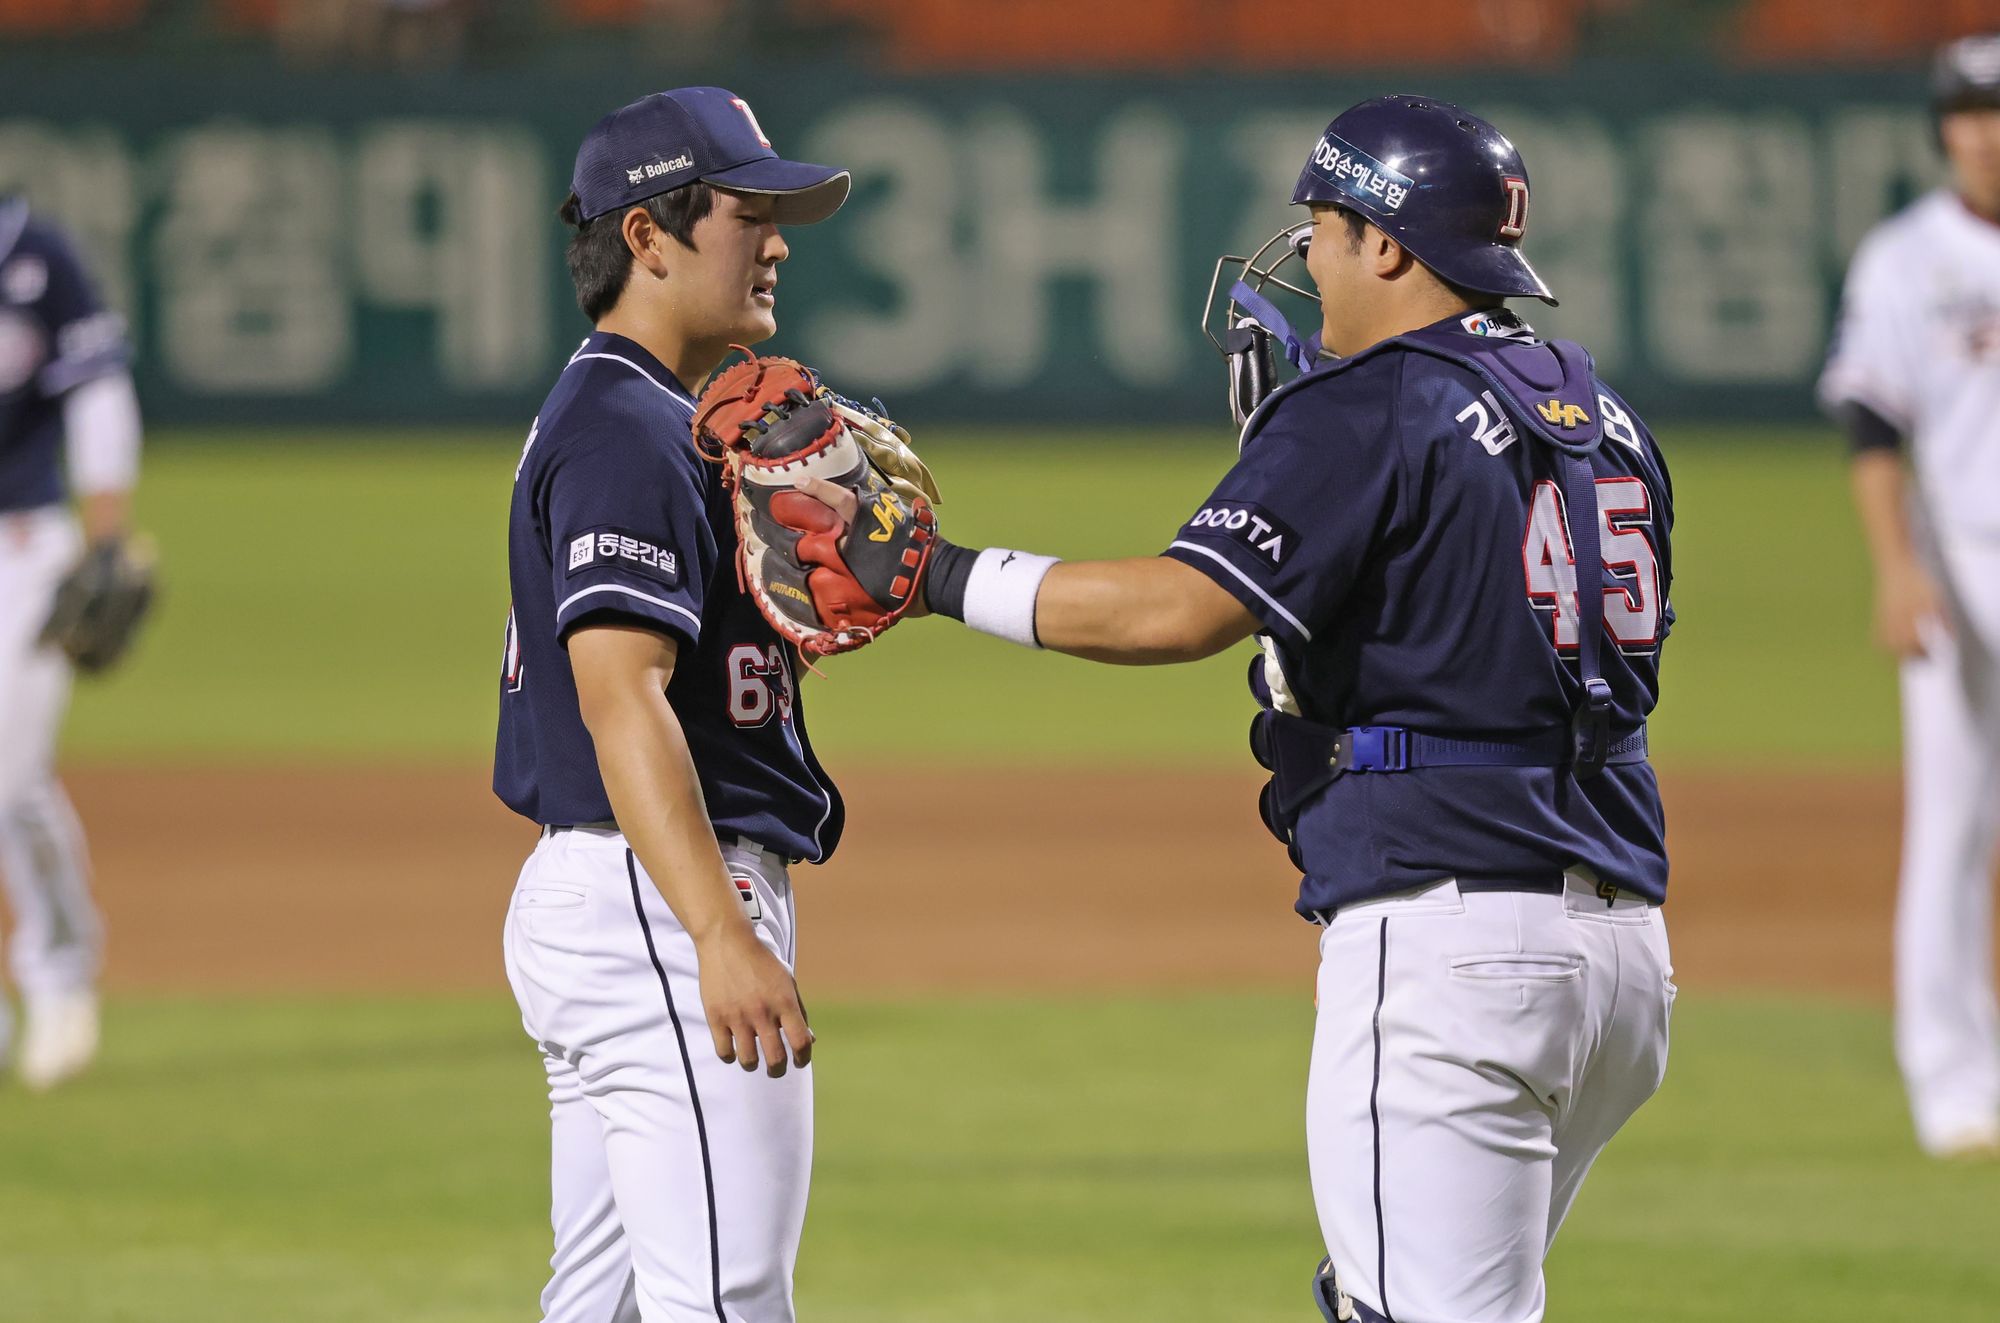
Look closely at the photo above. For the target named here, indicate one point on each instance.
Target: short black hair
(599, 258)
(1357, 225)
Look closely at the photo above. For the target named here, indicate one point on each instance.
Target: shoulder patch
(1268, 537)
(616, 549)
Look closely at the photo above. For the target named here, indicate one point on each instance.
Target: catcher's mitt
(771, 425)
(100, 604)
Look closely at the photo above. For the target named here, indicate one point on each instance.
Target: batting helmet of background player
(1966, 76)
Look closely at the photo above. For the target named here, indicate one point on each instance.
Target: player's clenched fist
(752, 1002)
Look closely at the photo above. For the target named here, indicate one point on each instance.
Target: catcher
(70, 597)
(1455, 543)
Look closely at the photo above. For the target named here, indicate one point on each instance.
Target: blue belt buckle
(1375, 749)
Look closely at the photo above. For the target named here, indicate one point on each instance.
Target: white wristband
(1000, 594)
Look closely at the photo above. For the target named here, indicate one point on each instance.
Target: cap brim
(806, 194)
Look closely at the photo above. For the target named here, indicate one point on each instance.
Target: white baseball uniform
(679, 1181)
(68, 422)
(1919, 344)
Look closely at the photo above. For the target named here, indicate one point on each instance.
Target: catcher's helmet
(1437, 179)
(1966, 75)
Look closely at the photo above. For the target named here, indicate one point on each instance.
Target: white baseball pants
(57, 939)
(1473, 1055)
(1947, 1031)
(678, 1181)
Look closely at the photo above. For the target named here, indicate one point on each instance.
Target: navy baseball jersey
(616, 518)
(55, 334)
(1397, 522)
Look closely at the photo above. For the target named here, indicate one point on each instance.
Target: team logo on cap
(1516, 223)
(24, 279)
(755, 127)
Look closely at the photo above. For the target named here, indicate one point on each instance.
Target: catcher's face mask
(1245, 325)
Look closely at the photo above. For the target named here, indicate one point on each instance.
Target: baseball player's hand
(752, 1003)
(847, 505)
(1908, 606)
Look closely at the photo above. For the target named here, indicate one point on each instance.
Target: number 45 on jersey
(1632, 605)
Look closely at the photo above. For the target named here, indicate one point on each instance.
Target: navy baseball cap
(668, 139)
(1966, 75)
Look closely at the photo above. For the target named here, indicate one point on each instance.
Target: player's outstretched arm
(750, 997)
(1144, 611)
(1139, 612)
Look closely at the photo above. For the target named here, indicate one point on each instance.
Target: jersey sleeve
(1288, 529)
(87, 339)
(1868, 361)
(628, 534)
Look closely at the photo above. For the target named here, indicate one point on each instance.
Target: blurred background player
(69, 427)
(1915, 371)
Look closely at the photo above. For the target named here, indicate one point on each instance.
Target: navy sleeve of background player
(86, 339)
(627, 544)
(1287, 530)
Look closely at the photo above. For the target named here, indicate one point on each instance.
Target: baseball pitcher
(1914, 377)
(1453, 540)
(72, 590)
(652, 725)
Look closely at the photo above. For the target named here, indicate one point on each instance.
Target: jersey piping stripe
(1246, 581)
(819, 847)
(617, 358)
(66, 374)
(1375, 1123)
(694, 1095)
(13, 224)
(630, 592)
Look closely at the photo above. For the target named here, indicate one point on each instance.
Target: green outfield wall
(359, 248)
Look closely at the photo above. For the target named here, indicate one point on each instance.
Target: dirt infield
(389, 881)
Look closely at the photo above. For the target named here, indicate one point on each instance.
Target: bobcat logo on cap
(635, 174)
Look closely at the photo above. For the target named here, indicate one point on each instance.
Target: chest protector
(1548, 389)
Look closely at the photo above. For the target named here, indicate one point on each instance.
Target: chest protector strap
(1549, 391)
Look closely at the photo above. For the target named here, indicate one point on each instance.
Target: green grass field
(334, 597)
(1132, 1161)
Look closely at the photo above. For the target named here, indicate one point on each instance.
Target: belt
(1549, 886)
(1399, 749)
(553, 828)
